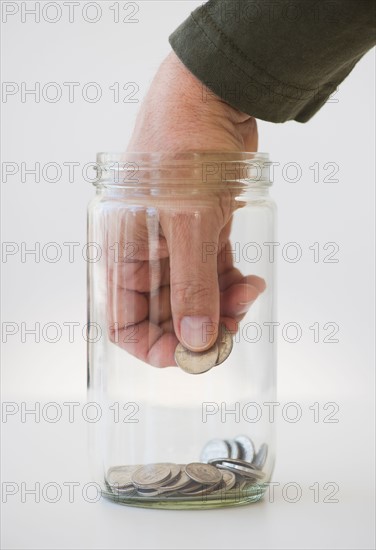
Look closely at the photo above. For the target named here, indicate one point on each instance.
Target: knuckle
(186, 293)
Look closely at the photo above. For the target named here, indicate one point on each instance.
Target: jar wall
(161, 414)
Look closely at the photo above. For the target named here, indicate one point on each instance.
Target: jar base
(224, 499)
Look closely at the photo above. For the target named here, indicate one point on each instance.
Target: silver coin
(244, 470)
(236, 449)
(247, 448)
(196, 362)
(229, 479)
(182, 481)
(245, 484)
(148, 492)
(215, 448)
(151, 475)
(175, 471)
(224, 343)
(236, 462)
(192, 486)
(233, 469)
(219, 488)
(203, 489)
(121, 476)
(261, 456)
(206, 474)
(125, 491)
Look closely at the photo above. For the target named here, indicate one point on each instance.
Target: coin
(203, 489)
(195, 362)
(236, 449)
(229, 479)
(217, 474)
(235, 462)
(175, 471)
(125, 491)
(182, 481)
(215, 448)
(148, 492)
(205, 474)
(224, 343)
(247, 448)
(192, 486)
(233, 469)
(121, 476)
(260, 458)
(245, 483)
(247, 471)
(151, 475)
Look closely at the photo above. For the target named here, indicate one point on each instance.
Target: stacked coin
(199, 362)
(241, 448)
(184, 480)
(214, 475)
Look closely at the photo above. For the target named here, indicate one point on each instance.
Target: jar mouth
(138, 168)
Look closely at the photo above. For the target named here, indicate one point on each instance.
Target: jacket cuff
(240, 81)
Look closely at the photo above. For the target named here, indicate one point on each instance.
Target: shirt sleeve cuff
(240, 81)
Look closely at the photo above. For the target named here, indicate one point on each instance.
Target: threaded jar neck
(197, 169)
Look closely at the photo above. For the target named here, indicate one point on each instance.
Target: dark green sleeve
(276, 60)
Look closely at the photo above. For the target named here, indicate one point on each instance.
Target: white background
(342, 212)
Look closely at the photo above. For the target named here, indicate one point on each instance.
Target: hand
(179, 280)
(180, 114)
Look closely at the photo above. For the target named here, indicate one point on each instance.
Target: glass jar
(180, 292)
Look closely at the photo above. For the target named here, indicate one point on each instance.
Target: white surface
(309, 292)
(309, 453)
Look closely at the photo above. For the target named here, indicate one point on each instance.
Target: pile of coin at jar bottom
(227, 465)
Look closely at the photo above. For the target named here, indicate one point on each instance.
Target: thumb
(192, 240)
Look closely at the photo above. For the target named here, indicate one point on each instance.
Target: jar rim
(250, 169)
(106, 156)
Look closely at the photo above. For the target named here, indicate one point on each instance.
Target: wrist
(195, 92)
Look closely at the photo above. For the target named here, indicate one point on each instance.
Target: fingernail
(244, 306)
(196, 331)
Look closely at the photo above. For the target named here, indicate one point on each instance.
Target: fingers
(127, 307)
(233, 276)
(142, 324)
(177, 295)
(132, 234)
(237, 292)
(193, 279)
(237, 299)
(159, 305)
(137, 252)
(147, 342)
(139, 275)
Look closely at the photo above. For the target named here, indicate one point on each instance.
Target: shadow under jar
(181, 428)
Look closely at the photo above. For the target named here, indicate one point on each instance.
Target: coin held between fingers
(200, 362)
(195, 362)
